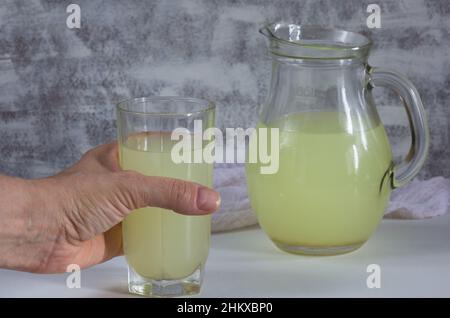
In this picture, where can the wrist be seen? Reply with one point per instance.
(27, 231)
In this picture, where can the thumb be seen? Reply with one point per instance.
(181, 196)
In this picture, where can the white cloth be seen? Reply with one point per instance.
(420, 199)
(235, 211)
(417, 200)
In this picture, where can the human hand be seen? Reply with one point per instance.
(74, 217)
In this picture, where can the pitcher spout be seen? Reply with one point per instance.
(314, 42)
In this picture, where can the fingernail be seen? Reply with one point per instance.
(207, 199)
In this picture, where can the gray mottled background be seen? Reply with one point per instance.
(58, 86)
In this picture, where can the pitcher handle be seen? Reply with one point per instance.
(414, 160)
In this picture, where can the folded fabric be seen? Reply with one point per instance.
(420, 199)
(417, 200)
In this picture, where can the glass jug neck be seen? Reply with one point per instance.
(304, 64)
(322, 73)
(308, 85)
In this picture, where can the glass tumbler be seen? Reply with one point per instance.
(166, 251)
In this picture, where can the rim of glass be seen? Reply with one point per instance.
(208, 105)
(268, 31)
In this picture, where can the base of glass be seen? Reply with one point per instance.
(185, 286)
(318, 250)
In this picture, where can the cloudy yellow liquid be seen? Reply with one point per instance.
(161, 244)
(332, 185)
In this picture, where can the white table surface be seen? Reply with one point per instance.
(414, 257)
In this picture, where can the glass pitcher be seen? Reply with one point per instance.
(335, 170)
